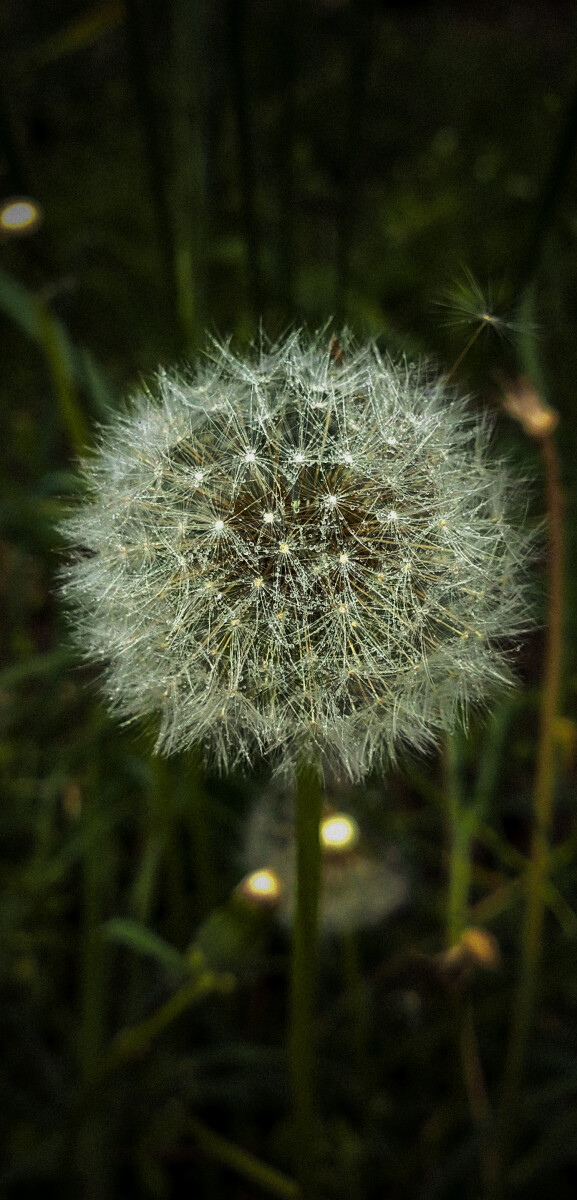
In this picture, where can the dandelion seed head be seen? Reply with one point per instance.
(467, 305)
(314, 600)
(363, 882)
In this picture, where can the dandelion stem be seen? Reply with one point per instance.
(304, 981)
(198, 819)
(538, 866)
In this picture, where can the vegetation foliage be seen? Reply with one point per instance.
(229, 168)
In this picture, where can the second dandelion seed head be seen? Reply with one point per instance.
(364, 880)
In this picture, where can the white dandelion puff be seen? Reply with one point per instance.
(298, 555)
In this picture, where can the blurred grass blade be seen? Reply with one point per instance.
(57, 351)
(37, 664)
(144, 941)
(247, 1165)
(190, 53)
(236, 17)
(78, 34)
(95, 384)
(153, 141)
(69, 365)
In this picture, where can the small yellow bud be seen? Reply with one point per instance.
(339, 833)
(262, 888)
(482, 947)
(20, 215)
(522, 401)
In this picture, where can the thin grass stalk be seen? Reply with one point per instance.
(198, 820)
(286, 154)
(58, 360)
(359, 40)
(303, 982)
(166, 783)
(246, 1165)
(538, 866)
(236, 23)
(189, 52)
(152, 138)
(553, 187)
(17, 178)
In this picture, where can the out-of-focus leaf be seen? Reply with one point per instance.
(232, 935)
(37, 664)
(59, 357)
(144, 941)
(80, 33)
(34, 318)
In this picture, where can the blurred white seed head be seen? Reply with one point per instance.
(363, 880)
(299, 552)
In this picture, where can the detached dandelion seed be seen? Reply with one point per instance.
(345, 587)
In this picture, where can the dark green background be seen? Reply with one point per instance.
(211, 167)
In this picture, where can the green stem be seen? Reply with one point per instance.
(56, 351)
(238, 74)
(190, 52)
(198, 813)
(302, 1049)
(360, 43)
(286, 172)
(166, 782)
(555, 183)
(131, 1042)
(538, 866)
(152, 136)
(239, 1160)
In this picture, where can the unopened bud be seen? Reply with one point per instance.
(339, 833)
(482, 947)
(261, 888)
(522, 401)
(19, 215)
